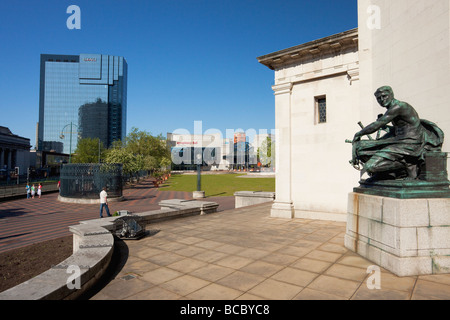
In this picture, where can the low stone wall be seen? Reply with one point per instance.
(88, 201)
(93, 246)
(93, 249)
(248, 198)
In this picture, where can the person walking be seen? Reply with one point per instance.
(104, 202)
(39, 190)
(28, 191)
(33, 191)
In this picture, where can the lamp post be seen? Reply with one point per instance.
(199, 194)
(61, 136)
(199, 182)
(98, 150)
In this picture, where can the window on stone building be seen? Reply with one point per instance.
(321, 109)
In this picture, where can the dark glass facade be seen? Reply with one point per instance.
(81, 96)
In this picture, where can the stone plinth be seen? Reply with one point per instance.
(248, 198)
(198, 194)
(405, 236)
(282, 209)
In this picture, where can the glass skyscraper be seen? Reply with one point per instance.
(81, 96)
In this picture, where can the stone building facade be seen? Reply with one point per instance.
(14, 151)
(324, 88)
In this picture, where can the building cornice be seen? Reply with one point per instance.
(335, 43)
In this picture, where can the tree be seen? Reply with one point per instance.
(141, 151)
(153, 149)
(89, 150)
(119, 154)
(266, 153)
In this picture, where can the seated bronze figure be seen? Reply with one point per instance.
(400, 151)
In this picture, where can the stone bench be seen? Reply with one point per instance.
(93, 246)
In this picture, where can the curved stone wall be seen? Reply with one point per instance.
(93, 246)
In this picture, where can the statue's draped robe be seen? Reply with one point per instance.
(400, 146)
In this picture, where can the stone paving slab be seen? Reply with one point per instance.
(245, 254)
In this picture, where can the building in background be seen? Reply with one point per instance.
(185, 148)
(81, 96)
(14, 153)
(217, 153)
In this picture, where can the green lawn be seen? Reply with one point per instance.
(216, 185)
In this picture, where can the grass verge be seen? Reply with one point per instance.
(216, 185)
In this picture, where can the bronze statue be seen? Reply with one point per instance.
(400, 151)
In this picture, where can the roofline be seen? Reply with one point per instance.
(292, 54)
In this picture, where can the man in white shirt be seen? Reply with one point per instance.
(104, 202)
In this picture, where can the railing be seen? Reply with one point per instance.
(19, 190)
(11, 189)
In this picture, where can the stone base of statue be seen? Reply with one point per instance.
(404, 225)
(405, 236)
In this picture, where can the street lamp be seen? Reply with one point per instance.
(61, 136)
(199, 194)
(199, 182)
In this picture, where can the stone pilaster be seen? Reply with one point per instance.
(283, 206)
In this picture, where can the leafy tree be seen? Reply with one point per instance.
(153, 149)
(118, 154)
(266, 153)
(87, 151)
(141, 151)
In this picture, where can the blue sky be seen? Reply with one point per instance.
(188, 60)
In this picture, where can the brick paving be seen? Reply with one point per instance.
(244, 254)
(27, 221)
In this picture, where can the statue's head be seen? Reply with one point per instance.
(384, 96)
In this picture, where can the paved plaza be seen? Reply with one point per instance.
(27, 221)
(244, 254)
(234, 254)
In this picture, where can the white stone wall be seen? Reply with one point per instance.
(313, 170)
(401, 43)
(409, 50)
(321, 173)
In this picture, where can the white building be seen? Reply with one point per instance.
(215, 150)
(218, 153)
(325, 87)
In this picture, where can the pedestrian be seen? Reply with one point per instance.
(39, 190)
(33, 191)
(104, 202)
(59, 186)
(28, 190)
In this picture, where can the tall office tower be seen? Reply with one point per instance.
(81, 96)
